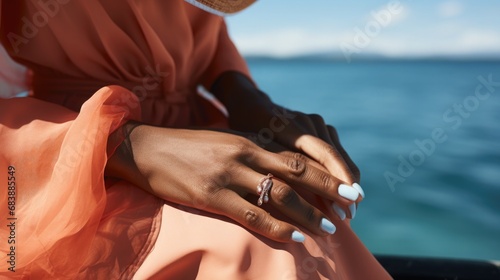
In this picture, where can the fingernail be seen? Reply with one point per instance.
(327, 226)
(348, 192)
(340, 212)
(352, 208)
(359, 189)
(298, 237)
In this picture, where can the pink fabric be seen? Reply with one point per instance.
(71, 222)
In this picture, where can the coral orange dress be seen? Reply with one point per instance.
(96, 64)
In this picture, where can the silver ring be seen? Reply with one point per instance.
(263, 189)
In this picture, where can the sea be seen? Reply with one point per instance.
(426, 137)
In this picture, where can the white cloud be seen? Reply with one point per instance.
(466, 42)
(394, 14)
(480, 40)
(287, 42)
(403, 15)
(450, 9)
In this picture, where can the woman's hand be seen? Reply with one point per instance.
(214, 171)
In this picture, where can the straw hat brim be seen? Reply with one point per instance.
(222, 7)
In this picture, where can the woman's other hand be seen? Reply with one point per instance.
(251, 110)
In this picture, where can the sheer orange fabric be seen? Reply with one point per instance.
(61, 218)
(70, 222)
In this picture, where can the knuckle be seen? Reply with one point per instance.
(242, 147)
(326, 182)
(252, 219)
(299, 156)
(261, 223)
(210, 188)
(286, 153)
(302, 117)
(333, 130)
(316, 117)
(241, 143)
(275, 229)
(223, 179)
(310, 214)
(296, 164)
(283, 194)
(332, 151)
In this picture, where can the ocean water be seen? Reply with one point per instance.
(444, 201)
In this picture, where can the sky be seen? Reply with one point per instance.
(401, 28)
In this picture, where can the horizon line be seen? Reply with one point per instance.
(375, 57)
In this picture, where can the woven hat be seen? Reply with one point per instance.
(221, 7)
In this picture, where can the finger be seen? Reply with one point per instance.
(296, 172)
(286, 200)
(321, 151)
(282, 150)
(290, 203)
(341, 210)
(328, 134)
(228, 203)
(333, 139)
(321, 128)
(336, 142)
(306, 159)
(322, 148)
(327, 155)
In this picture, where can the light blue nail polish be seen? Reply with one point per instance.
(359, 189)
(348, 192)
(353, 209)
(298, 237)
(339, 211)
(327, 226)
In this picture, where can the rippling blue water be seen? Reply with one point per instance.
(450, 205)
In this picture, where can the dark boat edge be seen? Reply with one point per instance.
(426, 268)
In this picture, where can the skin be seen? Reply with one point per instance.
(216, 170)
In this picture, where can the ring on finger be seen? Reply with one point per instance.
(263, 188)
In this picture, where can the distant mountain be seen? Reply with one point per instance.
(339, 57)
